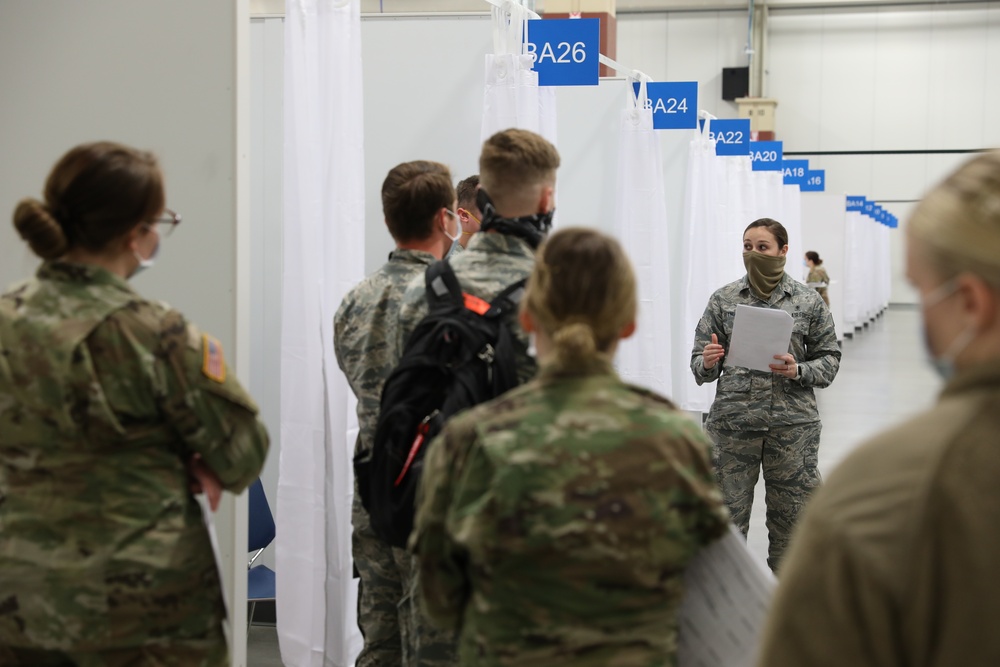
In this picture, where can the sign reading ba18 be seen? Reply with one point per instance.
(566, 51)
(674, 104)
(732, 137)
(815, 181)
(795, 171)
(766, 155)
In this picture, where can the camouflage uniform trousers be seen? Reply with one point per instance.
(383, 605)
(208, 653)
(788, 456)
(433, 646)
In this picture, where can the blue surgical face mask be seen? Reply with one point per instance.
(945, 364)
(146, 263)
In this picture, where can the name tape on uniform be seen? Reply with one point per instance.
(766, 155)
(566, 51)
(674, 104)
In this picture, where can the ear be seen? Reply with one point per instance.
(979, 301)
(463, 215)
(783, 251)
(547, 202)
(526, 320)
(627, 330)
(132, 237)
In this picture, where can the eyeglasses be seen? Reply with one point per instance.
(169, 218)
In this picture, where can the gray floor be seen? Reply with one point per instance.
(883, 379)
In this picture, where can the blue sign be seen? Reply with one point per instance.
(795, 171)
(732, 137)
(815, 181)
(855, 203)
(674, 104)
(566, 51)
(766, 155)
(869, 209)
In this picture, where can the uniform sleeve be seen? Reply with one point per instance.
(202, 399)
(712, 521)
(710, 323)
(822, 351)
(412, 309)
(829, 610)
(441, 574)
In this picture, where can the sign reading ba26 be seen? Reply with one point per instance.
(566, 51)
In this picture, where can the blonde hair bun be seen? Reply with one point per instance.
(575, 340)
(39, 229)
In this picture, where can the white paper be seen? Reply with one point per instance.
(758, 335)
(726, 597)
(209, 517)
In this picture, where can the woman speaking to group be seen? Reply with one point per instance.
(764, 419)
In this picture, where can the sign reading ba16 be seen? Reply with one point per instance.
(766, 155)
(815, 181)
(795, 171)
(732, 137)
(566, 51)
(674, 104)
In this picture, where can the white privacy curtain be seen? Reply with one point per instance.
(791, 218)
(641, 226)
(512, 96)
(853, 270)
(323, 258)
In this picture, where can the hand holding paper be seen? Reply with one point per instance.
(760, 335)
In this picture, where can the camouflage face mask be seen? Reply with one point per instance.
(764, 271)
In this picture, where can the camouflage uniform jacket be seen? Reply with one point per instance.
(554, 523)
(748, 400)
(365, 334)
(103, 398)
(491, 263)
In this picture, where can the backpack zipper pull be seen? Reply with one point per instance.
(488, 354)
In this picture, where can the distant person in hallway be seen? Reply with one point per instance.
(895, 562)
(760, 419)
(468, 212)
(818, 278)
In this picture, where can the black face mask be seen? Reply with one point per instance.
(531, 228)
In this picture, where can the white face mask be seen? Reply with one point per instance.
(458, 228)
(147, 262)
(945, 364)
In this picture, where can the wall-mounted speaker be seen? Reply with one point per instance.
(735, 82)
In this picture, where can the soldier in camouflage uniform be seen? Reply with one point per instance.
(554, 523)
(517, 172)
(109, 403)
(762, 419)
(468, 211)
(418, 201)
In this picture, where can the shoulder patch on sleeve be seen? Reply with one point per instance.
(213, 364)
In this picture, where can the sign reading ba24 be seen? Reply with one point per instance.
(815, 181)
(795, 171)
(732, 137)
(566, 51)
(766, 155)
(674, 104)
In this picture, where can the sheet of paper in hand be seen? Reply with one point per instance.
(758, 335)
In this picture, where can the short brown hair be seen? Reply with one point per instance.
(514, 160)
(94, 194)
(466, 191)
(776, 228)
(412, 193)
(582, 292)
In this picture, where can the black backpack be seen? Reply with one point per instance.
(461, 354)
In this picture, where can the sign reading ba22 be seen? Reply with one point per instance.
(566, 51)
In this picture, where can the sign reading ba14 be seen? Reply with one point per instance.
(732, 137)
(766, 155)
(795, 171)
(674, 104)
(566, 51)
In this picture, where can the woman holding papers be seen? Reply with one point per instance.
(554, 524)
(767, 418)
(113, 411)
(895, 562)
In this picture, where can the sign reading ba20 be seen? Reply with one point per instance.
(566, 51)
(766, 155)
(732, 137)
(674, 104)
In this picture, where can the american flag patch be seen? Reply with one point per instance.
(213, 364)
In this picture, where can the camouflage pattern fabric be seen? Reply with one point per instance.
(103, 398)
(789, 458)
(365, 339)
(765, 418)
(489, 265)
(818, 274)
(554, 523)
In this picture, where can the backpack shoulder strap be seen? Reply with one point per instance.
(508, 299)
(442, 285)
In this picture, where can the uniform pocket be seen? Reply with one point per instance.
(734, 381)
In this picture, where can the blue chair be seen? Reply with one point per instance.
(260, 578)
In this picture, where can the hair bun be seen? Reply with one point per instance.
(575, 341)
(35, 223)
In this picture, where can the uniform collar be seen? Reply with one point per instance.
(496, 243)
(88, 274)
(785, 287)
(412, 256)
(551, 369)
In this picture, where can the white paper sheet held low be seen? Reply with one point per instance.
(758, 335)
(726, 597)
